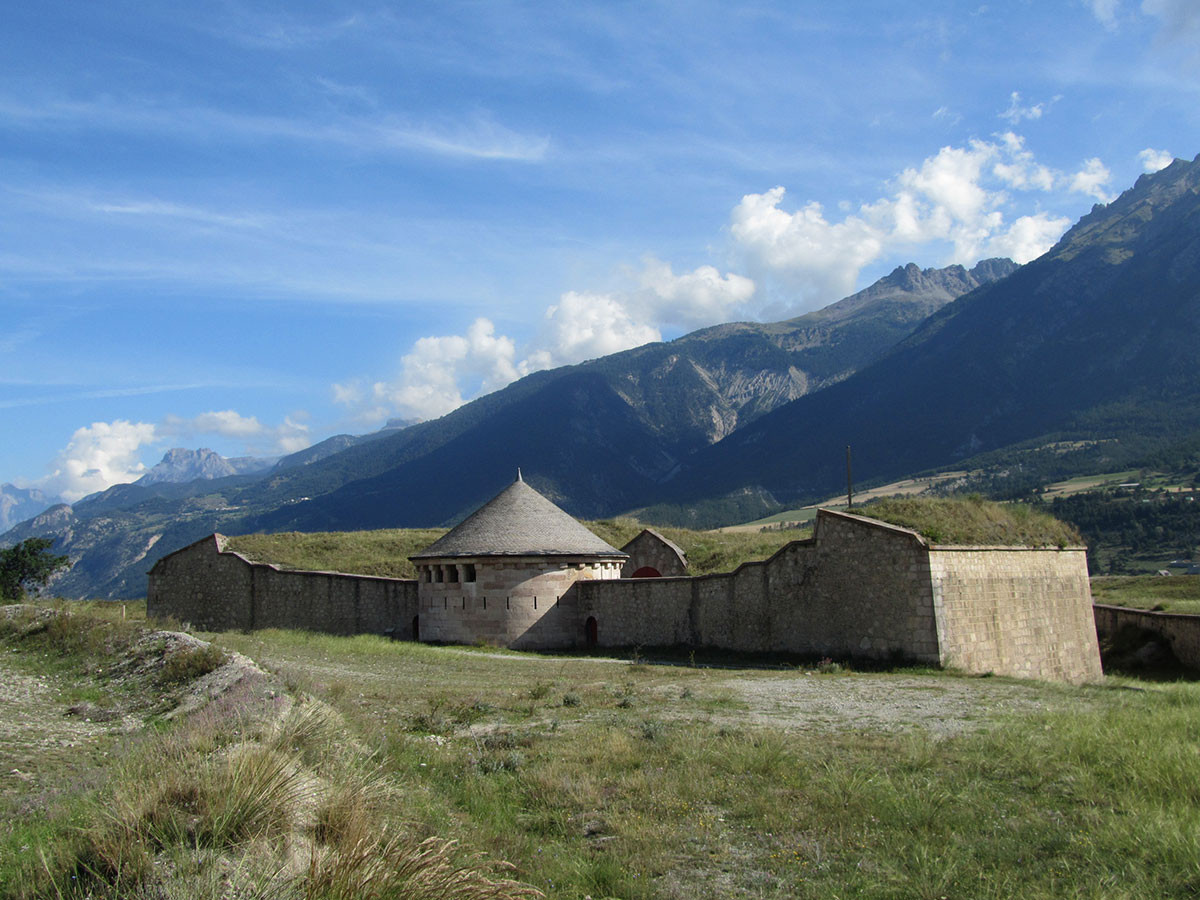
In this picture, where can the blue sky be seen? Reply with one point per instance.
(249, 226)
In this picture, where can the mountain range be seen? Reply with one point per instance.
(925, 368)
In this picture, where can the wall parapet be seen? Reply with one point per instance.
(218, 589)
(1180, 630)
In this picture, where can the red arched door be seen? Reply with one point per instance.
(647, 572)
(591, 631)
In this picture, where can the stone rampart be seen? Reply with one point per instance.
(1181, 631)
(1015, 611)
(857, 588)
(219, 590)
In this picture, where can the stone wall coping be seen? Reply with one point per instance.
(1006, 547)
(873, 523)
(900, 529)
(1157, 613)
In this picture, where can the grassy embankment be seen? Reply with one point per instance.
(254, 793)
(948, 521)
(386, 551)
(973, 521)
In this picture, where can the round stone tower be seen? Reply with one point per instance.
(501, 574)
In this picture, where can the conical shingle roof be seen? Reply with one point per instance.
(518, 522)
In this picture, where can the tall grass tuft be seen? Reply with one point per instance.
(392, 867)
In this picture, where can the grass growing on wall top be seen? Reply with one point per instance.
(385, 552)
(973, 521)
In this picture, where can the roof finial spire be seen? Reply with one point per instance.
(518, 473)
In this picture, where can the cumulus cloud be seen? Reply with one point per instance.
(1091, 179)
(1154, 160)
(584, 325)
(106, 453)
(98, 456)
(1028, 237)
(958, 197)
(434, 373)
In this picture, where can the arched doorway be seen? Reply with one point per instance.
(416, 628)
(591, 631)
(647, 572)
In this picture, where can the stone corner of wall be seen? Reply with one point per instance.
(868, 522)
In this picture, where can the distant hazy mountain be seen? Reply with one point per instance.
(1098, 338)
(180, 465)
(18, 504)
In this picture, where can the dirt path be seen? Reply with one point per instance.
(940, 705)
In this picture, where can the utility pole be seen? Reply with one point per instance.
(849, 481)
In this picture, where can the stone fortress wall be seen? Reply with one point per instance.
(216, 589)
(857, 588)
(862, 588)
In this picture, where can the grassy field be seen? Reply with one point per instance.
(385, 552)
(600, 777)
(1177, 593)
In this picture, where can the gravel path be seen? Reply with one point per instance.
(941, 705)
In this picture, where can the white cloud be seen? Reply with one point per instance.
(258, 439)
(584, 325)
(1091, 179)
(1016, 112)
(1154, 160)
(433, 373)
(98, 456)
(1028, 237)
(819, 258)
(691, 300)
(958, 197)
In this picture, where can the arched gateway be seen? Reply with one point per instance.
(500, 574)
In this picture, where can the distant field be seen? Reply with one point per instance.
(1175, 593)
(385, 552)
(806, 514)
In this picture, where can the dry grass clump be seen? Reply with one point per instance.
(973, 521)
(394, 867)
